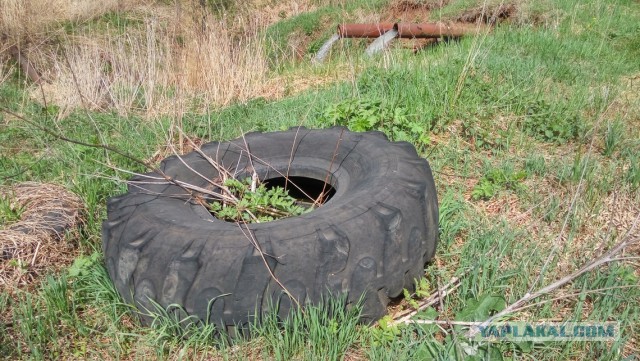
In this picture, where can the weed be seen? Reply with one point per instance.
(83, 265)
(420, 338)
(550, 124)
(363, 115)
(385, 333)
(495, 180)
(535, 164)
(10, 211)
(261, 204)
(480, 308)
(483, 138)
(422, 290)
(612, 138)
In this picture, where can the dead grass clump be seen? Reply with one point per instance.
(413, 6)
(488, 14)
(519, 13)
(26, 21)
(186, 145)
(271, 12)
(27, 25)
(168, 55)
(38, 242)
(156, 67)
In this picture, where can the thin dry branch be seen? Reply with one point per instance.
(574, 294)
(320, 199)
(252, 239)
(293, 149)
(557, 243)
(630, 238)
(262, 161)
(452, 285)
(111, 149)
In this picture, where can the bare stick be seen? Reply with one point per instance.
(221, 169)
(250, 236)
(446, 322)
(228, 195)
(574, 294)
(254, 176)
(609, 256)
(293, 149)
(35, 254)
(326, 178)
(62, 137)
(84, 103)
(262, 161)
(557, 243)
(451, 286)
(112, 149)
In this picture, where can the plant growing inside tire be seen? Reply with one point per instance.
(372, 236)
(257, 203)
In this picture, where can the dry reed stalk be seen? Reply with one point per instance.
(169, 55)
(152, 68)
(21, 19)
(5, 70)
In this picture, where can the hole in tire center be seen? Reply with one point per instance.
(304, 189)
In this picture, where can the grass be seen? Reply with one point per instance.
(548, 96)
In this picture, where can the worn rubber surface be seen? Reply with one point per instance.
(373, 236)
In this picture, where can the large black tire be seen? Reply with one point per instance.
(373, 237)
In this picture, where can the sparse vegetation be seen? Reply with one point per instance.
(531, 131)
(363, 115)
(10, 211)
(257, 203)
(497, 179)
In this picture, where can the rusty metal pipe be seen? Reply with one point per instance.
(434, 30)
(363, 30)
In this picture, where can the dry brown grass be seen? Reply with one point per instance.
(296, 82)
(172, 57)
(271, 12)
(5, 71)
(627, 104)
(153, 74)
(30, 20)
(38, 242)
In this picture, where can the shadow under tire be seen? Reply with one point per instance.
(372, 237)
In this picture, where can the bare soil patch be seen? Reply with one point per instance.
(489, 14)
(411, 11)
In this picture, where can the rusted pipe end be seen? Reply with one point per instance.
(363, 30)
(435, 30)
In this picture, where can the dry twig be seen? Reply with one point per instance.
(452, 285)
(630, 238)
